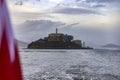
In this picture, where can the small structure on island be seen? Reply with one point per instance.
(57, 41)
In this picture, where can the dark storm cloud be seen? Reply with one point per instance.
(75, 11)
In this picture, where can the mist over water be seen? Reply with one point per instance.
(70, 64)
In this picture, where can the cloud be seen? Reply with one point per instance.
(103, 1)
(74, 24)
(98, 6)
(32, 30)
(35, 14)
(75, 11)
(37, 25)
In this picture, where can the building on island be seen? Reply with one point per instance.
(57, 41)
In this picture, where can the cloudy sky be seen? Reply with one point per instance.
(94, 21)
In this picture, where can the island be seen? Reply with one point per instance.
(57, 41)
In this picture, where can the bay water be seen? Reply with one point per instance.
(61, 64)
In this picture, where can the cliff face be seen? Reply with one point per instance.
(53, 45)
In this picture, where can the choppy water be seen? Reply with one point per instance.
(70, 64)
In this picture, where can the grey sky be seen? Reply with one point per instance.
(95, 21)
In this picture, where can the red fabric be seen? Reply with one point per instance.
(9, 69)
(1, 1)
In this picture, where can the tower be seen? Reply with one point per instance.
(83, 44)
(56, 30)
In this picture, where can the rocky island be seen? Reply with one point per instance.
(57, 41)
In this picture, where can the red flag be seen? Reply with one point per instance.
(9, 60)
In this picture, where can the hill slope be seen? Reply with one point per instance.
(22, 44)
(111, 45)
